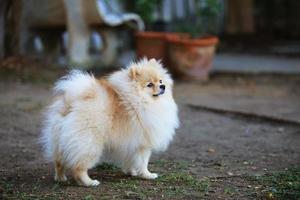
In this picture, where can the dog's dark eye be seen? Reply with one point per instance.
(160, 81)
(150, 85)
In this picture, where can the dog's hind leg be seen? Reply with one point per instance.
(87, 161)
(59, 172)
(81, 176)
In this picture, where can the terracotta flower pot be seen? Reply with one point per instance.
(191, 58)
(155, 44)
(150, 45)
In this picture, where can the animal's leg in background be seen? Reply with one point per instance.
(59, 172)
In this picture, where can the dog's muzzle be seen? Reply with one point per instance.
(162, 90)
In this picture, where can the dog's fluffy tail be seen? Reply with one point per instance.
(75, 83)
(71, 86)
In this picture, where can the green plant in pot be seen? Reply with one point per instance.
(191, 58)
(144, 8)
(149, 43)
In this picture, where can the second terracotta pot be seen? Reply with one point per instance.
(155, 44)
(191, 58)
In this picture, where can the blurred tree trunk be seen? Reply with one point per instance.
(18, 34)
(3, 16)
(240, 17)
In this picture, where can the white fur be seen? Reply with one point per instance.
(91, 131)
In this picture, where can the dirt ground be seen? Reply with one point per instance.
(215, 155)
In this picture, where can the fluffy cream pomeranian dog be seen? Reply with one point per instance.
(120, 119)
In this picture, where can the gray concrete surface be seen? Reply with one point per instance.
(217, 146)
(270, 97)
(243, 63)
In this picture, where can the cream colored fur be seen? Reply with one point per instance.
(116, 120)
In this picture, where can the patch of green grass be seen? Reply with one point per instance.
(175, 181)
(282, 185)
(160, 163)
(88, 197)
(229, 190)
(182, 178)
(12, 191)
(183, 183)
(130, 188)
(180, 165)
(169, 185)
(107, 166)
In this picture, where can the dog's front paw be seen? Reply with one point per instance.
(61, 178)
(134, 173)
(92, 183)
(148, 175)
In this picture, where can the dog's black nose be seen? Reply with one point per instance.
(162, 87)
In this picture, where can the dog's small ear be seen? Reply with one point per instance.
(152, 61)
(133, 73)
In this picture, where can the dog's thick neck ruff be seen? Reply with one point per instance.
(157, 115)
